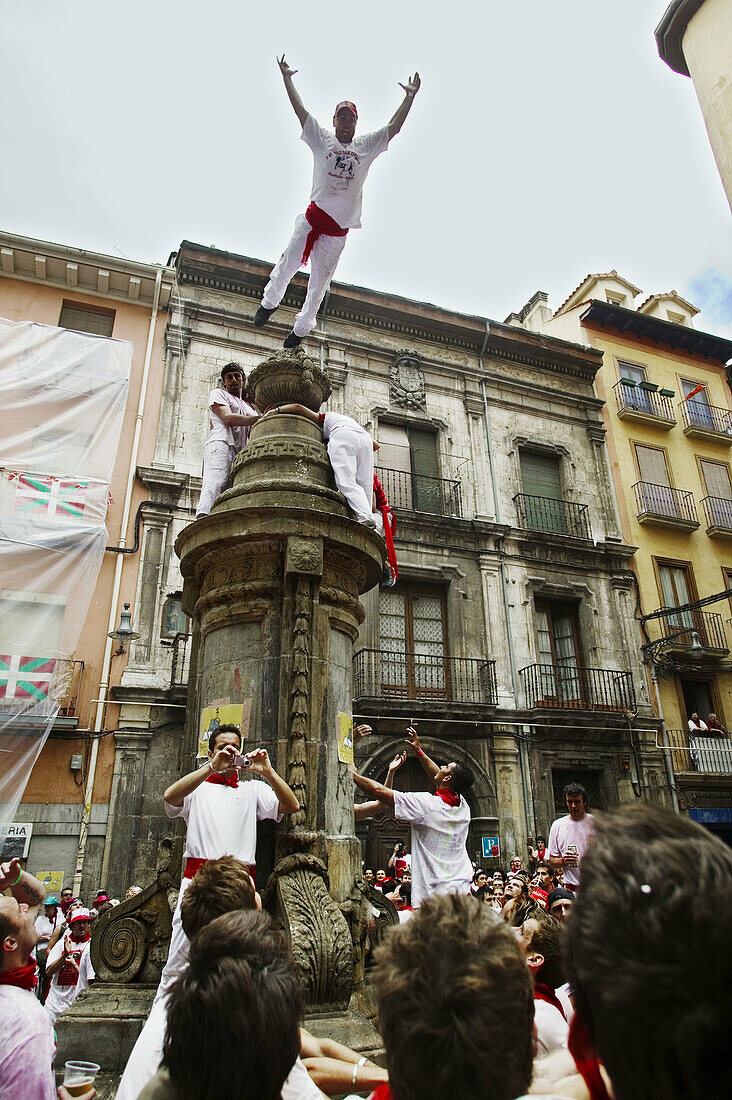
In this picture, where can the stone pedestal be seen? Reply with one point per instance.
(272, 579)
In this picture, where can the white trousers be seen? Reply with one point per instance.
(323, 262)
(217, 459)
(351, 455)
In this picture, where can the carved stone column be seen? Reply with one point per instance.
(272, 579)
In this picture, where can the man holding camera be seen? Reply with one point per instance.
(221, 816)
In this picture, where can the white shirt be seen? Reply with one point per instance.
(147, 1056)
(563, 833)
(61, 995)
(234, 436)
(697, 725)
(339, 171)
(44, 926)
(222, 821)
(552, 1030)
(26, 1046)
(333, 423)
(440, 862)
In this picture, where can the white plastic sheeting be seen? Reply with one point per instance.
(62, 400)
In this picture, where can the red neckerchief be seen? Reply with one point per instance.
(383, 1092)
(25, 977)
(320, 223)
(232, 781)
(544, 992)
(582, 1049)
(450, 798)
(383, 506)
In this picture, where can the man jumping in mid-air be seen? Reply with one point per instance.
(341, 164)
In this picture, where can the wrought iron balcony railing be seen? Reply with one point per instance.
(698, 417)
(634, 400)
(718, 513)
(181, 660)
(555, 517)
(417, 493)
(662, 504)
(709, 627)
(701, 752)
(379, 673)
(573, 687)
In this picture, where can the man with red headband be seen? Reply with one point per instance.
(341, 164)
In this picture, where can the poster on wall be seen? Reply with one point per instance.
(52, 880)
(220, 712)
(15, 839)
(344, 730)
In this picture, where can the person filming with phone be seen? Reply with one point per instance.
(570, 835)
(221, 815)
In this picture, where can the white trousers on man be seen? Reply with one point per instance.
(351, 455)
(217, 459)
(323, 262)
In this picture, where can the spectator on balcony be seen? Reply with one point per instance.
(570, 835)
(715, 726)
(439, 821)
(696, 725)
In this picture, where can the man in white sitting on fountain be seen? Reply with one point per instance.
(341, 162)
(230, 417)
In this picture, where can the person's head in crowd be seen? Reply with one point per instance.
(74, 903)
(575, 797)
(18, 935)
(380, 877)
(368, 876)
(132, 891)
(479, 879)
(80, 922)
(515, 864)
(104, 907)
(543, 943)
(404, 895)
(457, 777)
(544, 878)
(50, 906)
(518, 886)
(233, 1015)
(219, 738)
(221, 885)
(540, 842)
(559, 902)
(453, 988)
(407, 876)
(66, 895)
(649, 958)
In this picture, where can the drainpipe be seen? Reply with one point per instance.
(528, 806)
(116, 586)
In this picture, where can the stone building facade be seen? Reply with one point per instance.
(510, 638)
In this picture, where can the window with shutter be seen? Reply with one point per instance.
(408, 468)
(557, 629)
(413, 636)
(99, 322)
(633, 396)
(542, 488)
(697, 409)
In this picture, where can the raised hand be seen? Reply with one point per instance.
(398, 761)
(9, 873)
(411, 87)
(259, 761)
(360, 732)
(223, 761)
(412, 739)
(286, 70)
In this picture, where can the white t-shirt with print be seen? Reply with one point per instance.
(440, 861)
(339, 171)
(62, 989)
(563, 833)
(222, 820)
(235, 436)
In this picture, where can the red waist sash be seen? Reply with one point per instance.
(320, 223)
(193, 865)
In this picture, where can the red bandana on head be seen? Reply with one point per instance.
(450, 798)
(25, 977)
(232, 781)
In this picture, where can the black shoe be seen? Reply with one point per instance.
(262, 316)
(292, 340)
(387, 578)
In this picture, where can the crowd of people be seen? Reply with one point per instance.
(614, 984)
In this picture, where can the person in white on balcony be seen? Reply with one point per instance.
(696, 725)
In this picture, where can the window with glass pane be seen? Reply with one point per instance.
(557, 631)
(408, 467)
(676, 590)
(542, 488)
(697, 409)
(633, 396)
(413, 642)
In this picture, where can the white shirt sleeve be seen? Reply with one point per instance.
(314, 135)
(268, 804)
(376, 142)
(412, 808)
(552, 843)
(180, 811)
(56, 951)
(86, 972)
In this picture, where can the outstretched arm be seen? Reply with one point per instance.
(294, 407)
(292, 95)
(410, 90)
(382, 794)
(429, 766)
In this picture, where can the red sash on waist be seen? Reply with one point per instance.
(382, 505)
(193, 865)
(321, 223)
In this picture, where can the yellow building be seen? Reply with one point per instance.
(669, 440)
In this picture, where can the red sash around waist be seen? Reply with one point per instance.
(193, 865)
(320, 223)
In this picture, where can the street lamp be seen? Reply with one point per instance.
(124, 634)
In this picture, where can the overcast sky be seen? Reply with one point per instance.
(549, 140)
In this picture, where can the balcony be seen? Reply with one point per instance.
(718, 514)
(32, 688)
(553, 517)
(638, 401)
(571, 687)
(416, 493)
(391, 674)
(701, 754)
(709, 628)
(180, 665)
(664, 506)
(702, 421)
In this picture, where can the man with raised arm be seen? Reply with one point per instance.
(341, 162)
(221, 816)
(439, 821)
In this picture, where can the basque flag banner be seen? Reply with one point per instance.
(48, 497)
(24, 679)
